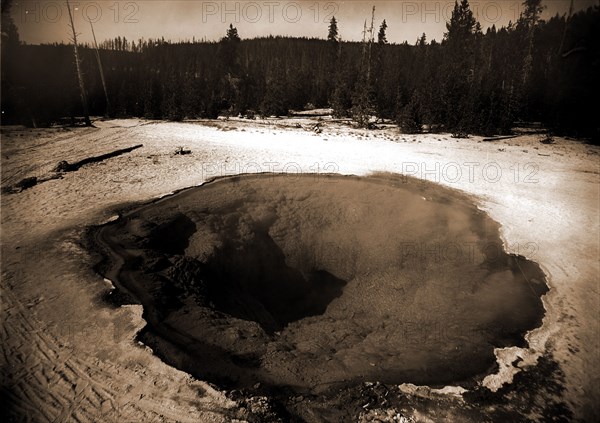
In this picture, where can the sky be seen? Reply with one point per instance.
(46, 21)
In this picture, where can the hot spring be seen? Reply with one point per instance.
(312, 282)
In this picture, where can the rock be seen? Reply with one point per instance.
(62, 166)
(27, 183)
(183, 152)
(383, 415)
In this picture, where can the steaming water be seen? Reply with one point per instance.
(311, 282)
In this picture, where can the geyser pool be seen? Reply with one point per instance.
(311, 282)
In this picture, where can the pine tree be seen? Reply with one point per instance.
(228, 49)
(532, 9)
(275, 101)
(172, 99)
(341, 98)
(459, 68)
(383, 98)
(381, 36)
(410, 119)
(527, 23)
(341, 101)
(230, 70)
(333, 31)
(153, 99)
(462, 23)
(232, 34)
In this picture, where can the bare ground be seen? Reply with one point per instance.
(66, 355)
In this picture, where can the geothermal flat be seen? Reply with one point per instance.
(373, 280)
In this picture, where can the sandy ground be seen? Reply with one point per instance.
(67, 356)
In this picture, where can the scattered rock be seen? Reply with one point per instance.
(180, 151)
(62, 166)
(381, 415)
(316, 128)
(23, 184)
(261, 408)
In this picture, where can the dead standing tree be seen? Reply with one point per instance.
(530, 18)
(362, 107)
(100, 69)
(78, 66)
(564, 35)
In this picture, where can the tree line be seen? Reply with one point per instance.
(470, 82)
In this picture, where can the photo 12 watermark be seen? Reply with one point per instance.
(35, 12)
(486, 12)
(292, 12)
(472, 172)
(317, 170)
(268, 12)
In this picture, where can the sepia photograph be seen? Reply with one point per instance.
(300, 211)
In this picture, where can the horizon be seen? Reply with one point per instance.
(45, 21)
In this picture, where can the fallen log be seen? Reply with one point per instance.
(27, 183)
(62, 167)
(508, 137)
(65, 166)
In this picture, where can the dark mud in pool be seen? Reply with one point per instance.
(314, 282)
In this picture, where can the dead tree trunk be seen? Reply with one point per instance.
(101, 70)
(362, 108)
(370, 45)
(84, 103)
(564, 35)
